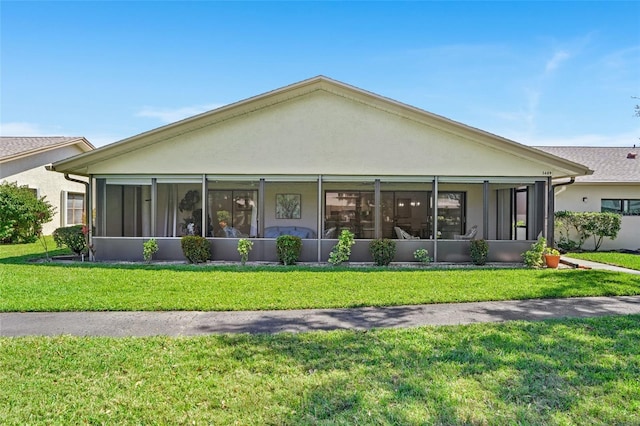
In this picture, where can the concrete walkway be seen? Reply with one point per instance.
(120, 324)
(595, 265)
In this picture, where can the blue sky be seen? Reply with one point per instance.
(540, 73)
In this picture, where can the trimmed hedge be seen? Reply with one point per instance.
(195, 248)
(72, 237)
(289, 248)
(383, 250)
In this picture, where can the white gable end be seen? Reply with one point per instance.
(322, 133)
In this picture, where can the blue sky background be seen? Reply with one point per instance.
(540, 73)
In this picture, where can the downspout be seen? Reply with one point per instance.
(551, 210)
(87, 212)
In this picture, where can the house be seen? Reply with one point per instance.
(23, 161)
(311, 159)
(614, 186)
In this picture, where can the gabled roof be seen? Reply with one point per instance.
(83, 164)
(14, 147)
(610, 164)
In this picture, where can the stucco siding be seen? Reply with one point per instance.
(571, 198)
(321, 133)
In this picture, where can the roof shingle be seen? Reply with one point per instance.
(610, 164)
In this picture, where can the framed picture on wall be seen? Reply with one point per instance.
(288, 206)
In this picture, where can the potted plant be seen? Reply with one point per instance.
(551, 257)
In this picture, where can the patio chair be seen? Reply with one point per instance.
(470, 235)
(404, 235)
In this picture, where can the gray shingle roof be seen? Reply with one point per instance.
(11, 146)
(610, 164)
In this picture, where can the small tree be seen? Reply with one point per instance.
(244, 248)
(603, 225)
(22, 214)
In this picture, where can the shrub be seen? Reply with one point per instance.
(149, 248)
(244, 248)
(533, 257)
(584, 225)
(479, 251)
(382, 250)
(72, 237)
(422, 255)
(195, 248)
(22, 214)
(288, 247)
(341, 252)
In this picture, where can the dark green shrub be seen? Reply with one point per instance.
(479, 250)
(22, 214)
(288, 247)
(72, 237)
(382, 250)
(195, 248)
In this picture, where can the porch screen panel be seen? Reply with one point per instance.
(125, 210)
(351, 210)
(238, 209)
(179, 210)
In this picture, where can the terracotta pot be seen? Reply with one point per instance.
(552, 260)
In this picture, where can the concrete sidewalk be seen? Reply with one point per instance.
(120, 324)
(595, 265)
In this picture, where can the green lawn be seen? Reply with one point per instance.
(570, 372)
(561, 372)
(626, 260)
(96, 287)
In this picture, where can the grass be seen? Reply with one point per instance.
(98, 287)
(625, 260)
(565, 372)
(558, 372)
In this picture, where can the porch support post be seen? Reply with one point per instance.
(485, 210)
(204, 224)
(551, 207)
(435, 218)
(261, 208)
(320, 217)
(89, 215)
(377, 225)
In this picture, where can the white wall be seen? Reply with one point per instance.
(570, 198)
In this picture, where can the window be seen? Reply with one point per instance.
(74, 208)
(620, 206)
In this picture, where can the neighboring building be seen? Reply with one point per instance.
(312, 159)
(23, 161)
(614, 186)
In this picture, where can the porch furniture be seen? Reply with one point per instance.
(470, 235)
(404, 235)
(330, 233)
(297, 231)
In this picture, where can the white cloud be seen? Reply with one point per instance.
(556, 60)
(23, 129)
(169, 115)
